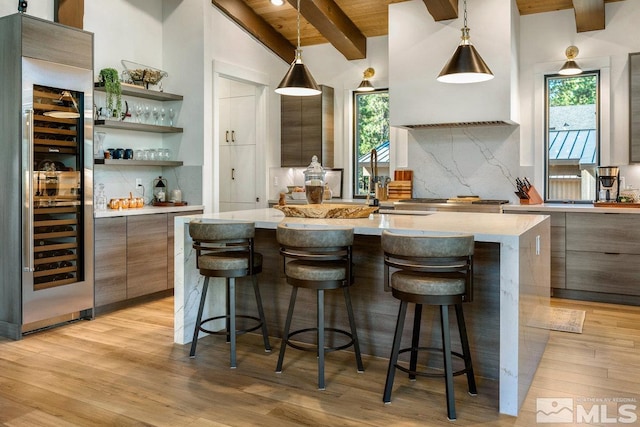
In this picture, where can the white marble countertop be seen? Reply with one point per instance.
(569, 207)
(486, 227)
(147, 210)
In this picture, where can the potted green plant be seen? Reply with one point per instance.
(110, 78)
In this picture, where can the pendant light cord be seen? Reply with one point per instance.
(299, 24)
(465, 13)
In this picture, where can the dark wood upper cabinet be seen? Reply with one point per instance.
(307, 129)
(634, 107)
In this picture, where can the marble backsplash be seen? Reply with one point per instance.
(482, 161)
(120, 181)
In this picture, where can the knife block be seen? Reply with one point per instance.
(534, 197)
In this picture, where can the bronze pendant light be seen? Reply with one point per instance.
(466, 64)
(298, 81)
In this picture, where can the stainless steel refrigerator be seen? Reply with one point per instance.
(46, 175)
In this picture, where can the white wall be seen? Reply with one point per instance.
(544, 38)
(38, 8)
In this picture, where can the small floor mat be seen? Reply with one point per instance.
(558, 319)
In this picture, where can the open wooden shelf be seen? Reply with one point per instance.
(140, 127)
(127, 162)
(141, 92)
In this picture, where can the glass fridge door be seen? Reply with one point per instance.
(57, 187)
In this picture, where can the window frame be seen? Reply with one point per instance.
(599, 124)
(354, 139)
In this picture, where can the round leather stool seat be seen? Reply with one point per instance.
(229, 261)
(316, 270)
(418, 284)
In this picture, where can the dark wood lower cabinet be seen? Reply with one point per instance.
(146, 254)
(134, 256)
(110, 260)
(595, 256)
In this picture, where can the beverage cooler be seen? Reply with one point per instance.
(46, 118)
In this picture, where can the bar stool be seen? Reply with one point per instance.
(432, 271)
(318, 259)
(226, 250)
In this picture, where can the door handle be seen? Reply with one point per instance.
(233, 174)
(27, 207)
(233, 136)
(226, 136)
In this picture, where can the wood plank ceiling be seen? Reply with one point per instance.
(347, 23)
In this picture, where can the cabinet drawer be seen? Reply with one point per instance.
(614, 233)
(602, 272)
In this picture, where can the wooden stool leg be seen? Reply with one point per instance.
(448, 365)
(265, 334)
(352, 323)
(464, 340)
(287, 327)
(232, 319)
(395, 349)
(321, 352)
(415, 341)
(196, 331)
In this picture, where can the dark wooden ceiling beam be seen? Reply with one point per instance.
(442, 10)
(251, 22)
(589, 15)
(335, 26)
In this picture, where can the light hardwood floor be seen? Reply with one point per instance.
(123, 369)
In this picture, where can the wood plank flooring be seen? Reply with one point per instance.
(123, 369)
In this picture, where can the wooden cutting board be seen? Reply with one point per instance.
(400, 190)
(616, 205)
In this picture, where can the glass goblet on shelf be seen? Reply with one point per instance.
(139, 109)
(147, 113)
(172, 115)
(156, 114)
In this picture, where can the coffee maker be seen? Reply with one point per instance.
(607, 183)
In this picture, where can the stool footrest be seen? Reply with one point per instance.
(224, 331)
(313, 347)
(429, 374)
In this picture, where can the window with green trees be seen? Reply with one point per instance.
(572, 137)
(371, 131)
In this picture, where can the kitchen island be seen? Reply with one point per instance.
(511, 282)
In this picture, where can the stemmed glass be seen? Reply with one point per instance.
(139, 109)
(155, 115)
(172, 114)
(162, 114)
(147, 113)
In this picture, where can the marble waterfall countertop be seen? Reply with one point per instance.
(524, 265)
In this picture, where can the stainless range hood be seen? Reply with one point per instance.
(419, 47)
